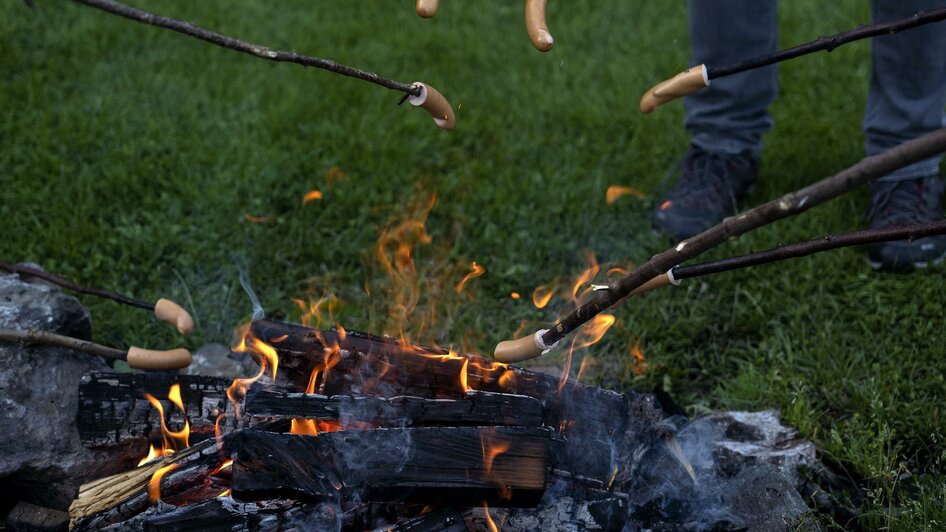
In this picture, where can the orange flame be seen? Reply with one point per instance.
(226, 463)
(311, 196)
(590, 334)
(586, 276)
(542, 295)
(256, 219)
(306, 427)
(665, 205)
(463, 376)
(491, 449)
(154, 485)
(616, 191)
(171, 440)
(224, 493)
(489, 519)
(476, 271)
(640, 363)
(515, 295)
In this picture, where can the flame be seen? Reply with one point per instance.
(640, 363)
(224, 493)
(614, 475)
(307, 427)
(227, 463)
(463, 376)
(586, 276)
(588, 335)
(154, 485)
(491, 449)
(581, 368)
(311, 196)
(489, 519)
(256, 219)
(665, 205)
(616, 191)
(475, 271)
(542, 295)
(515, 295)
(171, 440)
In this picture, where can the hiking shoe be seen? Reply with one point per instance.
(911, 201)
(709, 186)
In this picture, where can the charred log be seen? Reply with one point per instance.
(438, 466)
(599, 427)
(445, 520)
(113, 408)
(475, 408)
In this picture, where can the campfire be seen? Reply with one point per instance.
(347, 430)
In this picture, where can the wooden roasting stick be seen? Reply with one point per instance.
(700, 76)
(536, 27)
(264, 52)
(136, 357)
(863, 172)
(164, 309)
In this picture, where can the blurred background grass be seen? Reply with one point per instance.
(129, 157)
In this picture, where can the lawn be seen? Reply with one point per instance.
(136, 159)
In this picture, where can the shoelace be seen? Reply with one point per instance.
(897, 203)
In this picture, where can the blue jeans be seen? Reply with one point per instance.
(907, 86)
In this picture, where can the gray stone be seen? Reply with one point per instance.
(41, 458)
(216, 360)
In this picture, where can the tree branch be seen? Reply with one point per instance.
(863, 172)
(257, 50)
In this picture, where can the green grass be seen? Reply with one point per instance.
(129, 156)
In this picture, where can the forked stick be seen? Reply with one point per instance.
(164, 309)
(863, 172)
(700, 76)
(136, 357)
(256, 50)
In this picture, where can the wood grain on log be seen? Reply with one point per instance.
(436, 465)
(474, 408)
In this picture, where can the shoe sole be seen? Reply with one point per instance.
(920, 265)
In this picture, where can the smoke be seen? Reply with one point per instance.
(240, 262)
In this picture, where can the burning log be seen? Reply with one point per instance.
(475, 408)
(188, 475)
(507, 466)
(357, 364)
(113, 408)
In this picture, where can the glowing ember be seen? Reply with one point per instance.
(665, 205)
(475, 271)
(154, 485)
(311, 196)
(542, 295)
(616, 191)
(640, 363)
(515, 295)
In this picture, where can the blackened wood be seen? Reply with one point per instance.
(802, 249)
(599, 427)
(863, 172)
(445, 520)
(831, 42)
(117, 498)
(113, 408)
(474, 408)
(26, 517)
(435, 465)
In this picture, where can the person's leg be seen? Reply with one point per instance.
(726, 120)
(906, 99)
(731, 114)
(907, 85)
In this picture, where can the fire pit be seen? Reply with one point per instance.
(340, 430)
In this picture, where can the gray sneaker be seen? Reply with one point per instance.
(707, 190)
(910, 201)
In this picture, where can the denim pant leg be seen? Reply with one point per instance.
(908, 84)
(731, 114)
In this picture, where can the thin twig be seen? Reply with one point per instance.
(792, 203)
(66, 283)
(257, 50)
(830, 42)
(34, 336)
(809, 247)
